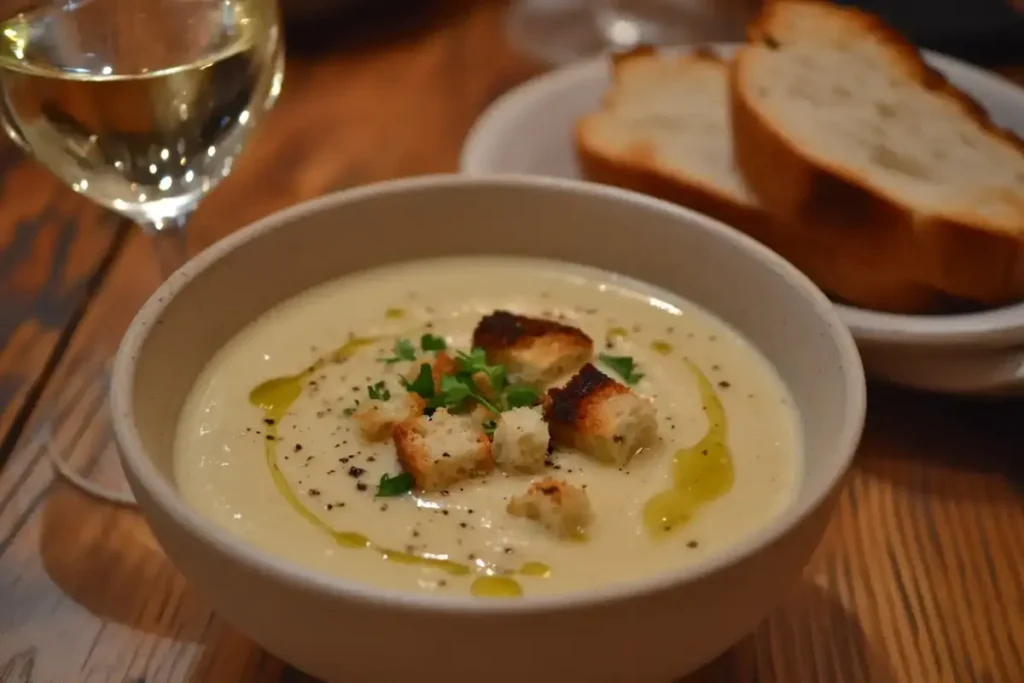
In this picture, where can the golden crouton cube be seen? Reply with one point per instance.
(521, 441)
(376, 418)
(563, 509)
(442, 450)
(600, 417)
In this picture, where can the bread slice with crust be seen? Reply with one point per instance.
(838, 122)
(663, 129)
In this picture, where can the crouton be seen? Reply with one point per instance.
(441, 450)
(563, 509)
(442, 365)
(521, 441)
(376, 418)
(533, 350)
(600, 417)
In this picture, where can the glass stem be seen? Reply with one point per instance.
(169, 239)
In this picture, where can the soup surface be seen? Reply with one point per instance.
(271, 447)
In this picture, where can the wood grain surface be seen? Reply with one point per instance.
(919, 580)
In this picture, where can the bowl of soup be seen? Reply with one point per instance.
(560, 431)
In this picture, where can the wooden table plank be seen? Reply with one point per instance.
(918, 579)
(55, 247)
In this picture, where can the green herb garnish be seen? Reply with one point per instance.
(350, 411)
(430, 342)
(453, 394)
(623, 366)
(519, 396)
(403, 350)
(476, 361)
(423, 384)
(456, 390)
(379, 391)
(489, 428)
(397, 485)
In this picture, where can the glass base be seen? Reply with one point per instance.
(562, 31)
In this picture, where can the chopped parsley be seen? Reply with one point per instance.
(476, 361)
(519, 396)
(623, 366)
(423, 383)
(379, 391)
(456, 392)
(430, 342)
(396, 485)
(403, 350)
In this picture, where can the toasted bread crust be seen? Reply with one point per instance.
(964, 256)
(502, 331)
(850, 269)
(572, 409)
(534, 350)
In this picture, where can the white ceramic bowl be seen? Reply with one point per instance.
(649, 631)
(529, 130)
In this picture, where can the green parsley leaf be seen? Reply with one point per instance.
(489, 428)
(379, 391)
(476, 361)
(423, 384)
(623, 366)
(350, 411)
(403, 350)
(454, 393)
(397, 485)
(519, 396)
(430, 342)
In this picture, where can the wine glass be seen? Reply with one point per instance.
(560, 31)
(140, 105)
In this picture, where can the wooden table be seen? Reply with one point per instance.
(920, 579)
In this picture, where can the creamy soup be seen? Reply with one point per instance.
(270, 448)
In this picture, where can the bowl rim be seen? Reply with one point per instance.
(143, 472)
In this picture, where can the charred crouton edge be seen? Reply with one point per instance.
(600, 417)
(533, 350)
(442, 450)
(376, 418)
(563, 509)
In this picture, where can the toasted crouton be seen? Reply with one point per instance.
(533, 350)
(441, 450)
(521, 441)
(600, 417)
(563, 509)
(442, 365)
(376, 418)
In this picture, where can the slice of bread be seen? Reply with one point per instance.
(664, 129)
(839, 124)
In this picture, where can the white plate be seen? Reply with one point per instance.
(529, 130)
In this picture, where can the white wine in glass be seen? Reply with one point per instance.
(140, 105)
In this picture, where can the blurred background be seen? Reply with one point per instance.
(557, 31)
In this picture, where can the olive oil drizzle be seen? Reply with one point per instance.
(275, 397)
(700, 474)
